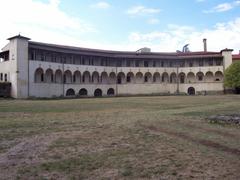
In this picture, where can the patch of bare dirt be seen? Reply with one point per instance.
(26, 152)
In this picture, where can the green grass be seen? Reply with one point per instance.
(119, 138)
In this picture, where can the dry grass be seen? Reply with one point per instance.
(119, 138)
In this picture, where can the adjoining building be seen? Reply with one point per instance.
(37, 69)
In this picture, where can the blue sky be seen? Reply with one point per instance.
(125, 25)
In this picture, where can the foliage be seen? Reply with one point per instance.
(232, 76)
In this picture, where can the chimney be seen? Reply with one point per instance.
(205, 44)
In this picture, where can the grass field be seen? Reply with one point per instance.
(119, 138)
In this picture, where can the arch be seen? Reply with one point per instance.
(67, 77)
(95, 77)
(209, 77)
(182, 78)
(70, 92)
(191, 77)
(77, 77)
(200, 76)
(139, 77)
(156, 77)
(130, 77)
(83, 92)
(49, 76)
(148, 77)
(98, 93)
(39, 75)
(58, 76)
(173, 78)
(112, 78)
(121, 78)
(110, 92)
(219, 76)
(191, 91)
(86, 77)
(165, 77)
(104, 78)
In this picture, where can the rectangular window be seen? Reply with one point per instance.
(154, 63)
(128, 63)
(210, 62)
(218, 62)
(190, 64)
(162, 64)
(145, 63)
(119, 63)
(137, 63)
(5, 77)
(201, 62)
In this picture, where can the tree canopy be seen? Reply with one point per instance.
(232, 75)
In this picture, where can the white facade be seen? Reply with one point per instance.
(46, 70)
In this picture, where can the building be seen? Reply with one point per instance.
(37, 69)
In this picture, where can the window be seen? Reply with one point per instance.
(1, 76)
(218, 62)
(128, 63)
(128, 79)
(42, 57)
(210, 62)
(201, 62)
(162, 64)
(137, 63)
(190, 64)
(5, 77)
(119, 63)
(200, 77)
(171, 64)
(145, 79)
(154, 63)
(145, 63)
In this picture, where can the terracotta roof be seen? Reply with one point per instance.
(121, 54)
(236, 57)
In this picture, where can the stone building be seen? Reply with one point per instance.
(37, 69)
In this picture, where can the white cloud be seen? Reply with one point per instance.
(223, 7)
(222, 35)
(142, 10)
(101, 5)
(40, 21)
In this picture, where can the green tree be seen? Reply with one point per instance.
(232, 76)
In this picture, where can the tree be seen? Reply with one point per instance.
(232, 76)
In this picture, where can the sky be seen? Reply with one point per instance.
(162, 25)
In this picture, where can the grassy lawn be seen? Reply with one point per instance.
(119, 138)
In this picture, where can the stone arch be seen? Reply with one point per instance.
(49, 77)
(182, 78)
(39, 75)
(95, 77)
(70, 92)
(148, 77)
(121, 78)
(219, 76)
(139, 77)
(86, 77)
(83, 92)
(200, 76)
(191, 91)
(58, 76)
(110, 92)
(173, 77)
(112, 78)
(165, 77)
(130, 77)
(156, 77)
(104, 78)
(67, 77)
(77, 77)
(98, 93)
(209, 77)
(191, 77)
